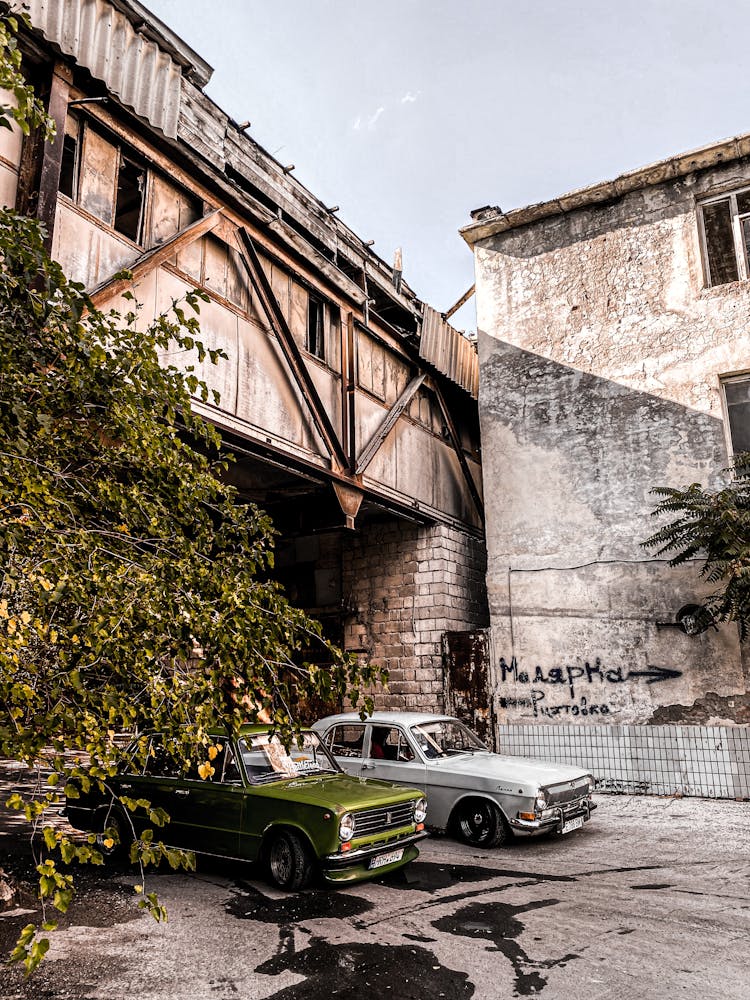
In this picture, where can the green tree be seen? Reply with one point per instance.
(134, 582)
(712, 526)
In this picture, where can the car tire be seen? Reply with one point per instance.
(480, 823)
(288, 861)
(120, 851)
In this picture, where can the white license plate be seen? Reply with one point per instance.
(573, 824)
(386, 859)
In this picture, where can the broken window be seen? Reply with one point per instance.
(131, 187)
(69, 166)
(737, 399)
(725, 231)
(315, 320)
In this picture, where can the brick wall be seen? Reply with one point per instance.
(404, 586)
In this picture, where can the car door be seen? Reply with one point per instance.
(209, 811)
(345, 741)
(390, 755)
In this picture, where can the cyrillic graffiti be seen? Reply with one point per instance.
(586, 674)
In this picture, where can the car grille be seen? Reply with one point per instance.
(385, 818)
(568, 792)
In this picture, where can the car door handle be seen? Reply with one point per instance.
(368, 767)
(182, 791)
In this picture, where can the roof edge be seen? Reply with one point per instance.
(490, 221)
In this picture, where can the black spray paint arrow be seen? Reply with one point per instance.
(654, 674)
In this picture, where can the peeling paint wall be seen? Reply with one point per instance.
(600, 357)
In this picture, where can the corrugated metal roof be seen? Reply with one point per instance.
(103, 39)
(448, 351)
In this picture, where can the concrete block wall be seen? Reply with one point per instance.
(708, 761)
(404, 585)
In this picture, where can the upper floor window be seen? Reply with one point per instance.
(725, 233)
(737, 399)
(315, 324)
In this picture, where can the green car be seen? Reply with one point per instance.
(294, 811)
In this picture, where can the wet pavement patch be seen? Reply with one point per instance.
(499, 923)
(365, 971)
(428, 876)
(250, 904)
(654, 885)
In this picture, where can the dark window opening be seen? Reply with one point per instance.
(131, 186)
(69, 167)
(315, 313)
(720, 250)
(737, 395)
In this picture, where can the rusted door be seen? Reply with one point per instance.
(466, 658)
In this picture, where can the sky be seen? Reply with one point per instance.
(408, 114)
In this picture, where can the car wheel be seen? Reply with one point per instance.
(114, 851)
(480, 823)
(289, 865)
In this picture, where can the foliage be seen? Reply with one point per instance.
(134, 582)
(712, 525)
(27, 111)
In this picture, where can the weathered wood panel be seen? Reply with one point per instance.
(87, 252)
(98, 179)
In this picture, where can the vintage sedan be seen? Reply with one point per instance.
(294, 810)
(482, 797)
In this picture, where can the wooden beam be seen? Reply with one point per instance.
(464, 298)
(375, 442)
(154, 258)
(291, 351)
(458, 448)
(52, 152)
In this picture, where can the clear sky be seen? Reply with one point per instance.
(410, 113)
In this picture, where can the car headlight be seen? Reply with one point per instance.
(346, 827)
(541, 801)
(420, 811)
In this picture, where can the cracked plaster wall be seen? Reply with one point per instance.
(600, 355)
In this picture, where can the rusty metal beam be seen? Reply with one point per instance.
(464, 298)
(348, 388)
(290, 349)
(458, 448)
(375, 442)
(154, 258)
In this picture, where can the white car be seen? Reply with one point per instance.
(481, 796)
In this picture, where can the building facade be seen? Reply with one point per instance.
(348, 403)
(615, 358)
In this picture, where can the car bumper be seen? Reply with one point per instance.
(527, 827)
(355, 865)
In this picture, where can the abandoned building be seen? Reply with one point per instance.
(615, 357)
(349, 404)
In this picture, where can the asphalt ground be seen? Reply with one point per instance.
(651, 899)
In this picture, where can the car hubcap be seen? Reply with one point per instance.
(281, 861)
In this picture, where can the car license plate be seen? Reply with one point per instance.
(386, 859)
(572, 824)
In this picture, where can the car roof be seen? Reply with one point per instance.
(384, 718)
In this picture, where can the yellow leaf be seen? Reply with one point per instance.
(205, 770)
(108, 843)
(3, 609)
(25, 617)
(213, 752)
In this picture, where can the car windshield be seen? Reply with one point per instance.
(267, 760)
(446, 738)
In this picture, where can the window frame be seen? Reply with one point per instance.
(741, 250)
(319, 305)
(724, 380)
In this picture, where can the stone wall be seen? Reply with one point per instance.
(404, 586)
(601, 353)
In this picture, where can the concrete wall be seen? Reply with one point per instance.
(404, 586)
(600, 356)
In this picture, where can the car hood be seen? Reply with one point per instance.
(339, 792)
(516, 770)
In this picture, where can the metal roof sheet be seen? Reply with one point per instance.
(105, 41)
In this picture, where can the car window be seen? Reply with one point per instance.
(389, 743)
(267, 760)
(160, 763)
(445, 738)
(345, 741)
